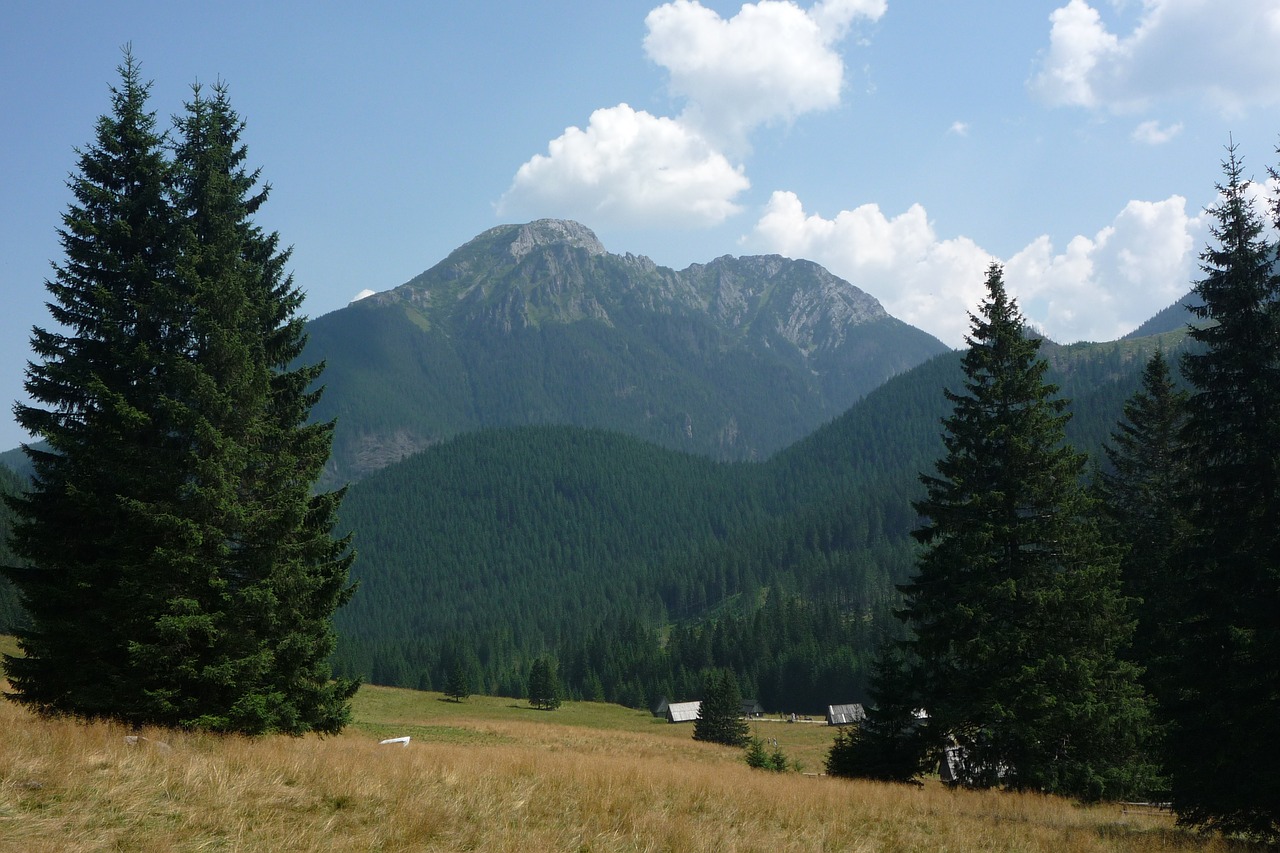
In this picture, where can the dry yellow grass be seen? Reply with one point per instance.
(491, 775)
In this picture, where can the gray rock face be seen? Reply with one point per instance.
(545, 232)
(558, 271)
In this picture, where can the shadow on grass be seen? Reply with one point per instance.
(1173, 838)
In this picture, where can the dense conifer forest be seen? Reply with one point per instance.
(639, 568)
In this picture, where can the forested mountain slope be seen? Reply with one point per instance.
(538, 324)
(507, 544)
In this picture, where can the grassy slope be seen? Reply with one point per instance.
(492, 774)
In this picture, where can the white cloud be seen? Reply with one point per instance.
(924, 281)
(363, 294)
(1221, 53)
(1151, 133)
(1098, 288)
(628, 168)
(772, 61)
(959, 128)
(1104, 286)
(1078, 45)
(836, 16)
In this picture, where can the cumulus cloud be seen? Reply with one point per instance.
(772, 61)
(1104, 286)
(628, 168)
(1096, 288)
(920, 279)
(1221, 53)
(1078, 45)
(363, 295)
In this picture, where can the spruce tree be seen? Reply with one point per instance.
(720, 714)
(457, 685)
(223, 586)
(1142, 497)
(1224, 709)
(888, 745)
(1017, 613)
(544, 685)
(285, 574)
(97, 517)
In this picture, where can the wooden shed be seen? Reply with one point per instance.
(683, 712)
(844, 715)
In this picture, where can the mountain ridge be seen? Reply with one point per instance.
(538, 323)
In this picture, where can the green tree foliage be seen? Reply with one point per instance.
(586, 543)
(11, 613)
(288, 573)
(1224, 709)
(85, 519)
(888, 746)
(457, 684)
(1017, 613)
(1142, 498)
(544, 685)
(720, 717)
(179, 570)
(757, 757)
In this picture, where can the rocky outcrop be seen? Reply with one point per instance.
(558, 271)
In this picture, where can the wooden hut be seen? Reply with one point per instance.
(683, 712)
(844, 715)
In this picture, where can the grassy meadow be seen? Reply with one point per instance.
(492, 774)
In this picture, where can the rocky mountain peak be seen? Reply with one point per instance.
(545, 232)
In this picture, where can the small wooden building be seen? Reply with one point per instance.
(751, 709)
(845, 715)
(683, 712)
(951, 769)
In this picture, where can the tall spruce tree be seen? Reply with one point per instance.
(285, 574)
(1017, 612)
(94, 520)
(1225, 710)
(224, 581)
(1142, 497)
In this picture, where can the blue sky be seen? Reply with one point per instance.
(901, 143)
